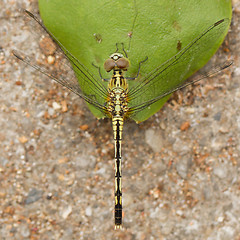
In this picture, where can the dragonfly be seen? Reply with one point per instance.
(116, 101)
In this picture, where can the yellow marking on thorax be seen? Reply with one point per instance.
(117, 82)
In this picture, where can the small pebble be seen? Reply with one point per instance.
(56, 106)
(220, 171)
(220, 219)
(66, 211)
(154, 139)
(182, 166)
(185, 126)
(190, 110)
(23, 139)
(33, 196)
(64, 106)
(50, 59)
(167, 228)
(51, 111)
(88, 211)
(24, 230)
(84, 127)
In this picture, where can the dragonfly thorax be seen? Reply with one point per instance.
(118, 89)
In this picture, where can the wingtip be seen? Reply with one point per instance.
(17, 55)
(27, 12)
(228, 64)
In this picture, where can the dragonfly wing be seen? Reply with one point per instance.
(211, 73)
(170, 75)
(92, 89)
(68, 82)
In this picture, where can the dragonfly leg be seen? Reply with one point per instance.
(99, 72)
(140, 63)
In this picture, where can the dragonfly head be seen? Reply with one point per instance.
(116, 61)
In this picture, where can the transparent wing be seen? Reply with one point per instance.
(68, 83)
(211, 73)
(169, 76)
(95, 94)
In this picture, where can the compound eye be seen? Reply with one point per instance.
(122, 63)
(109, 64)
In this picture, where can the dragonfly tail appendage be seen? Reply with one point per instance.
(117, 123)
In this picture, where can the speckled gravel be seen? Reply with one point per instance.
(180, 167)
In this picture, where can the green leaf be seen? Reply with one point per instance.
(156, 29)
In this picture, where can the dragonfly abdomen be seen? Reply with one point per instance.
(117, 123)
